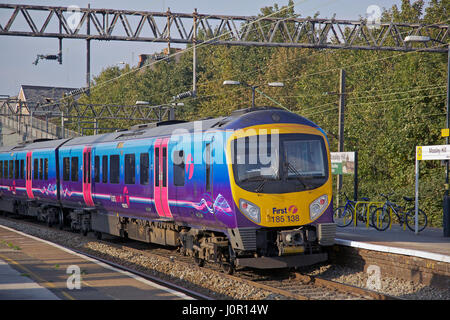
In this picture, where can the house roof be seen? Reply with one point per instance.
(36, 96)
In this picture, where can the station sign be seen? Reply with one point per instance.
(342, 162)
(441, 152)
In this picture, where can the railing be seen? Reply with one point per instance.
(15, 115)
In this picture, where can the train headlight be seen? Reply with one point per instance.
(250, 210)
(318, 206)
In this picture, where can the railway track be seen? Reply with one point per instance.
(284, 285)
(194, 294)
(290, 284)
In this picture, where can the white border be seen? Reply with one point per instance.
(395, 250)
(104, 265)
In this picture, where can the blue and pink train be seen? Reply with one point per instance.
(251, 189)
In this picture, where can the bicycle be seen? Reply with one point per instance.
(381, 220)
(344, 215)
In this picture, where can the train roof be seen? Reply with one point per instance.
(34, 144)
(144, 131)
(238, 119)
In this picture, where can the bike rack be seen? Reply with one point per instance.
(369, 204)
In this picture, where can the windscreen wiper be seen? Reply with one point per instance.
(260, 187)
(297, 174)
(253, 179)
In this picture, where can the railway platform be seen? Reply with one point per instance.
(429, 243)
(423, 258)
(35, 269)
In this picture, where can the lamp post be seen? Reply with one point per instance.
(253, 88)
(446, 206)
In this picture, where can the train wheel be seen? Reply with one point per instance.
(61, 219)
(228, 268)
(98, 235)
(199, 262)
(49, 221)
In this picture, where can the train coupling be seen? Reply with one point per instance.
(292, 241)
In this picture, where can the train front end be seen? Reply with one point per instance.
(281, 185)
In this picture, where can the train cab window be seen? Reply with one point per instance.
(114, 169)
(74, 171)
(66, 169)
(46, 169)
(11, 169)
(1, 169)
(16, 169)
(144, 166)
(22, 169)
(41, 169)
(130, 169)
(96, 169)
(178, 168)
(105, 169)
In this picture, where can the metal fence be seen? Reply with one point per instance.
(32, 124)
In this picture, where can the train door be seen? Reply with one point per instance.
(87, 179)
(29, 181)
(161, 178)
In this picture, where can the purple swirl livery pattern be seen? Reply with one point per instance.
(220, 205)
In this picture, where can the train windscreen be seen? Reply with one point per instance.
(280, 163)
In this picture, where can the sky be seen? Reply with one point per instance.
(18, 53)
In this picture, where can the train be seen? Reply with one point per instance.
(252, 189)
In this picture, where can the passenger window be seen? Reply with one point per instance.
(178, 168)
(41, 169)
(22, 169)
(208, 166)
(66, 169)
(105, 169)
(1, 169)
(11, 169)
(156, 167)
(164, 151)
(144, 166)
(85, 167)
(16, 167)
(46, 169)
(74, 171)
(96, 169)
(130, 168)
(6, 170)
(36, 169)
(114, 173)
